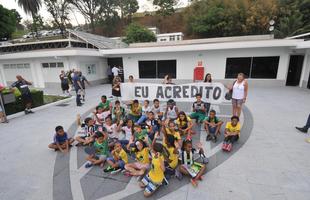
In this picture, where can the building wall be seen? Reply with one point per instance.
(306, 71)
(214, 61)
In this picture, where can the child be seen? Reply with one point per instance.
(170, 129)
(153, 125)
(199, 109)
(153, 180)
(142, 163)
(184, 124)
(135, 111)
(61, 140)
(112, 130)
(97, 153)
(105, 104)
(188, 165)
(212, 126)
(99, 116)
(172, 110)
(146, 108)
(118, 112)
(118, 160)
(139, 134)
(232, 133)
(157, 109)
(128, 130)
(86, 137)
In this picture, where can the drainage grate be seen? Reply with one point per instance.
(63, 104)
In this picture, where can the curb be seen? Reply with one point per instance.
(19, 114)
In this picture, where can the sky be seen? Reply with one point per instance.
(75, 17)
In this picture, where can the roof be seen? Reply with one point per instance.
(292, 43)
(169, 34)
(99, 41)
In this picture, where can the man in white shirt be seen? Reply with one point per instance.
(115, 71)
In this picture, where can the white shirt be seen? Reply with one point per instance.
(238, 90)
(128, 132)
(156, 111)
(115, 71)
(112, 132)
(146, 109)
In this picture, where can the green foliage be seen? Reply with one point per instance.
(128, 7)
(7, 22)
(166, 7)
(137, 33)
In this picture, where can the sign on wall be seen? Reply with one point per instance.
(211, 92)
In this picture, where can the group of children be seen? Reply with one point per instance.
(158, 140)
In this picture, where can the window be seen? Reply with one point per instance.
(91, 69)
(147, 69)
(253, 67)
(157, 68)
(237, 65)
(265, 67)
(163, 39)
(17, 66)
(52, 65)
(171, 38)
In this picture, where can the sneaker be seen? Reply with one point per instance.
(303, 129)
(30, 111)
(88, 165)
(208, 138)
(214, 139)
(108, 169)
(114, 171)
(229, 147)
(224, 146)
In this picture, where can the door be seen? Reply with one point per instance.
(308, 86)
(294, 70)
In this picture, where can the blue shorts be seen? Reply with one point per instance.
(121, 163)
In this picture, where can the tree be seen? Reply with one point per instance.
(137, 33)
(31, 7)
(165, 7)
(7, 22)
(59, 9)
(108, 15)
(89, 9)
(128, 7)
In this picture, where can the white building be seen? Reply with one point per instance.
(166, 37)
(264, 60)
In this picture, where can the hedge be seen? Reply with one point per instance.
(18, 105)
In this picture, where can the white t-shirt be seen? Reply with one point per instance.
(115, 71)
(146, 109)
(102, 116)
(156, 111)
(112, 131)
(128, 132)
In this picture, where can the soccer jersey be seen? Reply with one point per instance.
(135, 111)
(214, 119)
(22, 86)
(143, 156)
(172, 157)
(176, 134)
(102, 148)
(231, 128)
(123, 155)
(106, 105)
(199, 106)
(183, 123)
(156, 173)
(141, 135)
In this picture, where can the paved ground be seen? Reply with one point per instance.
(273, 163)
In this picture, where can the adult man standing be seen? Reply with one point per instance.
(115, 71)
(22, 85)
(77, 87)
(83, 80)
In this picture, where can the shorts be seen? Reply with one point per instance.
(27, 98)
(100, 157)
(65, 87)
(139, 165)
(237, 102)
(150, 186)
(121, 163)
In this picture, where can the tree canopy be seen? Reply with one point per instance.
(137, 33)
(8, 21)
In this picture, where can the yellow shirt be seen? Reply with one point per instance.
(135, 111)
(172, 156)
(231, 128)
(176, 134)
(183, 123)
(156, 174)
(143, 156)
(123, 155)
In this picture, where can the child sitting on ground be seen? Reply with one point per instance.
(142, 163)
(86, 136)
(61, 140)
(212, 126)
(157, 109)
(118, 112)
(112, 130)
(172, 110)
(105, 104)
(139, 134)
(146, 108)
(135, 111)
(170, 129)
(184, 124)
(188, 165)
(199, 109)
(99, 116)
(154, 179)
(128, 131)
(232, 133)
(153, 125)
(97, 153)
(118, 160)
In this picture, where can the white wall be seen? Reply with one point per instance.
(306, 70)
(214, 61)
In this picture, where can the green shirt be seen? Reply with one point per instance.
(215, 119)
(140, 136)
(102, 148)
(106, 105)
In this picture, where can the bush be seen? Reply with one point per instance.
(18, 105)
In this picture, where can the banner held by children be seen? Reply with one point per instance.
(211, 92)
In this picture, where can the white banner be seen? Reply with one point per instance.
(211, 92)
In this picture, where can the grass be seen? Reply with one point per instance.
(52, 98)
(19, 34)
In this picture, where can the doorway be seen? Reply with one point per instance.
(117, 62)
(294, 70)
(308, 86)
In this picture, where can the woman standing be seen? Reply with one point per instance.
(116, 86)
(239, 94)
(208, 79)
(64, 83)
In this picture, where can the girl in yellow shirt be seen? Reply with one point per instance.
(184, 124)
(142, 163)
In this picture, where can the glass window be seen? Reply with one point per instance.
(6, 66)
(52, 65)
(26, 65)
(13, 66)
(60, 64)
(237, 65)
(265, 67)
(171, 38)
(165, 67)
(45, 65)
(20, 66)
(147, 69)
